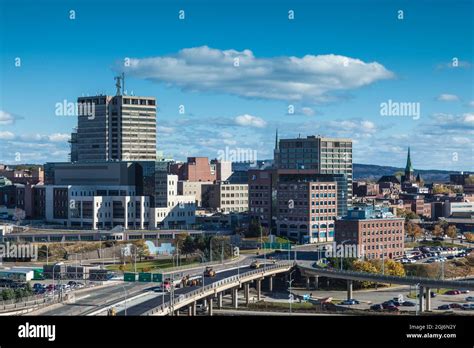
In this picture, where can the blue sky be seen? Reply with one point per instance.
(335, 62)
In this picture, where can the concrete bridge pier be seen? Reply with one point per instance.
(247, 293)
(259, 288)
(190, 310)
(308, 283)
(235, 299)
(420, 299)
(428, 299)
(270, 283)
(316, 282)
(209, 308)
(204, 302)
(349, 289)
(219, 300)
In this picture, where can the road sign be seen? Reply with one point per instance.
(157, 277)
(285, 246)
(130, 277)
(144, 277)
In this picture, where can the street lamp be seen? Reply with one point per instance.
(290, 295)
(126, 294)
(47, 250)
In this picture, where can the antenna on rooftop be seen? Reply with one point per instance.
(120, 83)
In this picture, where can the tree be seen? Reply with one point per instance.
(413, 230)
(407, 214)
(8, 294)
(394, 268)
(189, 245)
(364, 266)
(255, 229)
(451, 232)
(438, 230)
(141, 249)
(469, 236)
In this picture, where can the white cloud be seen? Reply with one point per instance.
(250, 121)
(165, 130)
(447, 97)
(6, 118)
(471, 103)
(6, 135)
(59, 137)
(308, 111)
(468, 118)
(313, 78)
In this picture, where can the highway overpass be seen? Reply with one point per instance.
(424, 285)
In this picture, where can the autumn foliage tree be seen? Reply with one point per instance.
(451, 232)
(438, 230)
(413, 230)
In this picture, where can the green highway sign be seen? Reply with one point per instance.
(157, 277)
(286, 246)
(144, 277)
(129, 277)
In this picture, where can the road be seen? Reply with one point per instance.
(92, 299)
(369, 297)
(159, 299)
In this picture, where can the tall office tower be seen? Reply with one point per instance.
(323, 155)
(119, 127)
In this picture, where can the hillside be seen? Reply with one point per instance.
(374, 172)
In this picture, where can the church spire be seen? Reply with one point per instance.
(409, 167)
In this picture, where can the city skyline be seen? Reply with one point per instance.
(336, 82)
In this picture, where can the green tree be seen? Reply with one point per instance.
(141, 249)
(189, 245)
(8, 294)
(255, 229)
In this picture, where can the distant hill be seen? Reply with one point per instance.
(374, 172)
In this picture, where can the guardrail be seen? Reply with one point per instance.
(203, 291)
(27, 304)
(379, 278)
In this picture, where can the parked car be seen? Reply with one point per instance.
(456, 305)
(376, 307)
(470, 298)
(468, 306)
(350, 302)
(464, 291)
(392, 308)
(452, 292)
(408, 304)
(444, 307)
